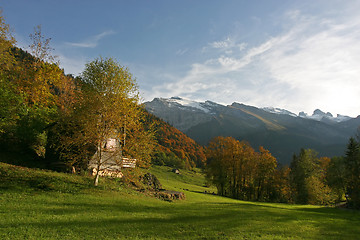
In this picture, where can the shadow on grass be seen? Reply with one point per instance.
(104, 217)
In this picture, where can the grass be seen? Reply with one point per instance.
(36, 204)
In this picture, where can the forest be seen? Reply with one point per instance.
(238, 171)
(63, 121)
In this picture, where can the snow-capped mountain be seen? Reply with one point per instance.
(281, 131)
(182, 113)
(208, 107)
(319, 115)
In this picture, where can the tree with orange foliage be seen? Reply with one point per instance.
(174, 148)
(266, 166)
(238, 171)
(30, 87)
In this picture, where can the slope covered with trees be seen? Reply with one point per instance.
(174, 148)
(61, 120)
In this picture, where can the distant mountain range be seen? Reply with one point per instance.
(282, 132)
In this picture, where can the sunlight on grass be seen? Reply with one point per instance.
(109, 214)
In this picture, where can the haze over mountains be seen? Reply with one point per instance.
(282, 132)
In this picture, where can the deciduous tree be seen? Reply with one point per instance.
(238, 171)
(308, 179)
(9, 100)
(110, 108)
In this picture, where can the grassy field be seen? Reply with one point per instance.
(37, 204)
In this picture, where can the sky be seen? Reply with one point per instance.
(298, 55)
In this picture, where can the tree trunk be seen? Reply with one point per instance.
(96, 181)
(99, 162)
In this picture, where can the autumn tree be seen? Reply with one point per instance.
(9, 100)
(238, 171)
(217, 163)
(32, 88)
(109, 108)
(174, 148)
(40, 47)
(280, 187)
(266, 166)
(308, 179)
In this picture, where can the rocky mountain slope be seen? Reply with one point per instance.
(282, 132)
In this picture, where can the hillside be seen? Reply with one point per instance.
(41, 106)
(174, 144)
(38, 204)
(283, 134)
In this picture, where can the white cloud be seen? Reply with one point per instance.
(227, 43)
(91, 42)
(312, 64)
(322, 66)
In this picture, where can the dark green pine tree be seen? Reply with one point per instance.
(352, 162)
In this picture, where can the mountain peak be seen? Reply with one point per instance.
(321, 113)
(208, 107)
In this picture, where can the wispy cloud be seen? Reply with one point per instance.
(313, 63)
(91, 42)
(228, 46)
(320, 65)
(181, 52)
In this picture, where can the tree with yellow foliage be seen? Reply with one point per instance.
(109, 108)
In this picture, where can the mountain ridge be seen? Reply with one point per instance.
(281, 132)
(316, 115)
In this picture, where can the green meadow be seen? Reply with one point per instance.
(38, 204)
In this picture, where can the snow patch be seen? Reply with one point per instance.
(188, 103)
(279, 111)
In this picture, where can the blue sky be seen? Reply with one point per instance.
(294, 54)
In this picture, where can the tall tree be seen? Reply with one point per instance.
(302, 167)
(9, 100)
(38, 80)
(217, 166)
(238, 171)
(308, 179)
(352, 164)
(40, 47)
(281, 189)
(266, 166)
(109, 108)
(336, 177)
